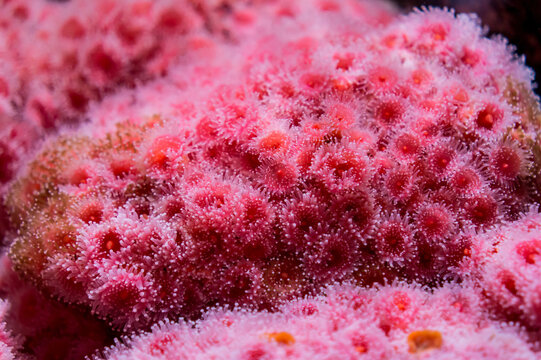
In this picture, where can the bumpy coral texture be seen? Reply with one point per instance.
(59, 57)
(393, 322)
(307, 153)
(247, 154)
(507, 266)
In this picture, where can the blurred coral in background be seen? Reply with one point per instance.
(265, 179)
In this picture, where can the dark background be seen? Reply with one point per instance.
(518, 20)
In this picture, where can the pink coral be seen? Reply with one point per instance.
(249, 153)
(507, 267)
(393, 322)
(213, 196)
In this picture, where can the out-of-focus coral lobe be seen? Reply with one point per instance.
(398, 322)
(44, 328)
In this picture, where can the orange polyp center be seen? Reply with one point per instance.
(111, 242)
(283, 338)
(273, 141)
(424, 340)
(109, 245)
(361, 349)
(159, 154)
(488, 117)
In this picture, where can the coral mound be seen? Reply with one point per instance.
(356, 152)
(170, 157)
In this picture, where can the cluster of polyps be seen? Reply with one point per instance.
(507, 267)
(328, 148)
(240, 202)
(393, 322)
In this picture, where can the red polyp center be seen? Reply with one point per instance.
(254, 251)
(100, 60)
(254, 210)
(77, 99)
(4, 88)
(21, 12)
(439, 32)
(110, 242)
(283, 175)
(340, 168)
(489, 116)
(240, 286)
(91, 213)
(389, 112)
(214, 198)
(407, 144)
(397, 183)
(341, 113)
(305, 219)
(401, 301)
(434, 222)
(465, 179)
(483, 210)
(174, 207)
(506, 162)
(382, 77)
(313, 81)
(171, 20)
(393, 237)
(510, 284)
(441, 158)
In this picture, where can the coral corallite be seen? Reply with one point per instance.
(248, 156)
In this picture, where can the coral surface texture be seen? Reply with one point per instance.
(265, 179)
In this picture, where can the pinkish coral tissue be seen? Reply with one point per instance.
(213, 179)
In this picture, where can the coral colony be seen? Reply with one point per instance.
(206, 179)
